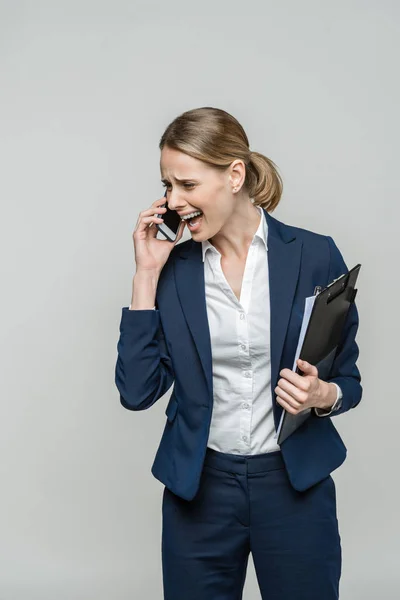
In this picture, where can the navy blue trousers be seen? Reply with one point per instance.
(247, 504)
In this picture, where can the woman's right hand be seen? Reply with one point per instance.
(151, 254)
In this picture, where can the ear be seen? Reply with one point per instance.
(237, 174)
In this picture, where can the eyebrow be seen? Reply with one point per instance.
(177, 179)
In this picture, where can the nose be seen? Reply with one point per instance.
(173, 201)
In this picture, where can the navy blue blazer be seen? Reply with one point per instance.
(171, 345)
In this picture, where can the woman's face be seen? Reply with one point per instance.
(192, 185)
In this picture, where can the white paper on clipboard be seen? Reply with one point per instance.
(309, 303)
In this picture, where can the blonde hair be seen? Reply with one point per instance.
(215, 137)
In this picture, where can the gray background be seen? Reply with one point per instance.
(87, 89)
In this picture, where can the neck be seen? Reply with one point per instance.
(234, 239)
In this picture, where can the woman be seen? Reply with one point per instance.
(219, 317)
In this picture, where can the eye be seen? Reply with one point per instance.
(187, 186)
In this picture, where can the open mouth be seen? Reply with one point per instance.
(194, 221)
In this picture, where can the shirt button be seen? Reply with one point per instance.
(242, 316)
(247, 374)
(245, 405)
(244, 438)
(243, 347)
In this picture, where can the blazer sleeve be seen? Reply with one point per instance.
(143, 371)
(344, 371)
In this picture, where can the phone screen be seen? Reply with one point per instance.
(171, 222)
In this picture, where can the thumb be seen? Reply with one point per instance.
(307, 368)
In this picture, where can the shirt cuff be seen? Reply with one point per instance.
(320, 412)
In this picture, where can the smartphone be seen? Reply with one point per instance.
(169, 228)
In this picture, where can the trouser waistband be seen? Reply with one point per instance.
(244, 463)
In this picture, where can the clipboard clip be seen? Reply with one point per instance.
(317, 290)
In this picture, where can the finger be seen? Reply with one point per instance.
(291, 390)
(306, 367)
(182, 226)
(287, 406)
(145, 219)
(298, 380)
(150, 212)
(159, 201)
(155, 208)
(152, 219)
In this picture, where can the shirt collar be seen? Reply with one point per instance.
(261, 233)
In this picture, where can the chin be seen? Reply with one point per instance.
(199, 237)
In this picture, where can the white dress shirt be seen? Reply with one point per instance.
(242, 419)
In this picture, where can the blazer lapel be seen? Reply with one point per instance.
(190, 285)
(284, 254)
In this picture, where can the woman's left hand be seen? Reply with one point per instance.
(297, 392)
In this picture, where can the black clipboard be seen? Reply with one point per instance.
(322, 337)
